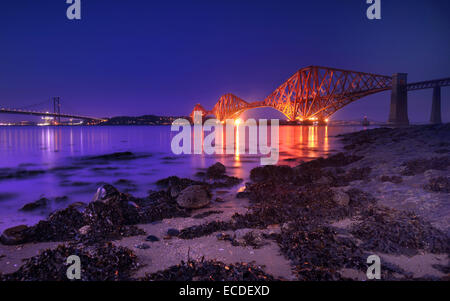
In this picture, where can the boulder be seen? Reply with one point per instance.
(175, 185)
(194, 197)
(106, 193)
(173, 232)
(41, 203)
(340, 197)
(152, 238)
(14, 235)
(216, 170)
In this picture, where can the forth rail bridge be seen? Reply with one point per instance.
(315, 93)
(311, 95)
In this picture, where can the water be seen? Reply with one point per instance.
(61, 155)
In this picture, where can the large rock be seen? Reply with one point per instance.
(41, 203)
(175, 185)
(276, 173)
(110, 210)
(14, 235)
(341, 198)
(106, 193)
(194, 197)
(216, 170)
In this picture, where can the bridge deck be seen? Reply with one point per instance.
(429, 84)
(35, 113)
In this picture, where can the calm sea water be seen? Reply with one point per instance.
(62, 154)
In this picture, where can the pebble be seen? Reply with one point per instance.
(142, 246)
(152, 238)
(173, 232)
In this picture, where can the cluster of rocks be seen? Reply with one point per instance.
(308, 198)
(281, 194)
(363, 139)
(216, 178)
(112, 214)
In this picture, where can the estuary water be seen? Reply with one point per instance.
(66, 164)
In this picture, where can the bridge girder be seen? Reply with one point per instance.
(312, 92)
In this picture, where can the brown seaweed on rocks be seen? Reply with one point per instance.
(418, 166)
(100, 263)
(392, 179)
(318, 248)
(59, 226)
(201, 270)
(272, 204)
(312, 171)
(398, 232)
(110, 216)
(439, 184)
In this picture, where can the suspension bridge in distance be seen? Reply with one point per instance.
(55, 116)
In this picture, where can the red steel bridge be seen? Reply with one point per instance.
(315, 93)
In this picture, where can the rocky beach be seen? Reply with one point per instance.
(387, 193)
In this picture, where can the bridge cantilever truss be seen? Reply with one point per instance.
(311, 93)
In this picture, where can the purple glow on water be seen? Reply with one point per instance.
(60, 152)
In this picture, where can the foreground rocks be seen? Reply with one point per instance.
(216, 171)
(194, 197)
(39, 204)
(14, 235)
(309, 199)
(112, 214)
(101, 263)
(396, 232)
(210, 271)
(330, 213)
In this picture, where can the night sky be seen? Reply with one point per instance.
(135, 57)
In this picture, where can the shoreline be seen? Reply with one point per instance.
(315, 221)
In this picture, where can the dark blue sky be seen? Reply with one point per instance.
(134, 57)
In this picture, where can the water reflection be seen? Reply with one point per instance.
(42, 148)
(19, 144)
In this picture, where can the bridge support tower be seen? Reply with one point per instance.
(398, 114)
(436, 106)
(57, 109)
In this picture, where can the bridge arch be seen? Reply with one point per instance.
(313, 93)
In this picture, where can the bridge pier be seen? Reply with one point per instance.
(398, 114)
(436, 106)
